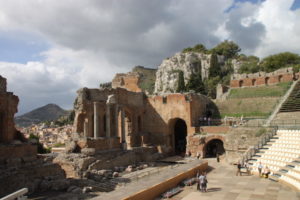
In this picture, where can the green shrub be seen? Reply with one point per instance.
(40, 148)
(260, 132)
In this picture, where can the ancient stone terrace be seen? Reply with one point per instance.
(118, 118)
(263, 78)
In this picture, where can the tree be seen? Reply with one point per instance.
(195, 83)
(215, 68)
(211, 85)
(199, 48)
(229, 49)
(281, 60)
(249, 64)
(181, 84)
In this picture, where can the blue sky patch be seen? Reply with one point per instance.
(296, 5)
(21, 47)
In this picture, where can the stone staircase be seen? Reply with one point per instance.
(292, 103)
(282, 155)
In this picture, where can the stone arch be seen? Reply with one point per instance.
(241, 83)
(212, 146)
(178, 129)
(267, 79)
(280, 78)
(253, 82)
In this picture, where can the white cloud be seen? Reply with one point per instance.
(94, 39)
(282, 27)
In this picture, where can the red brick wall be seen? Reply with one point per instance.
(196, 144)
(214, 129)
(247, 82)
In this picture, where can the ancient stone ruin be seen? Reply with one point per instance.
(8, 108)
(121, 119)
(263, 78)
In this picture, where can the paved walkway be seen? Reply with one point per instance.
(146, 182)
(223, 184)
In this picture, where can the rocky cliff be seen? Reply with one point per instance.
(191, 62)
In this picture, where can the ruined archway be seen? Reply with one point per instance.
(267, 80)
(241, 83)
(280, 78)
(180, 133)
(213, 147)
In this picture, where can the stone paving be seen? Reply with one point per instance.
(223, 184)
(146, 182)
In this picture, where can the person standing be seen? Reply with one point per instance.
(259, 167)
(201, 180)
(218, 157)
(239, 166)
(198, 181)
(204, 184)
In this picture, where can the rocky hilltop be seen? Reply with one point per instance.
(189, 63)
(48, 112)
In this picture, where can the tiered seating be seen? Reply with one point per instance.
(292, 103)
(282, 156)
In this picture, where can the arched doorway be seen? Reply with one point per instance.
(241, 83)
(253, 82)
(213, 147)
(180, 133)
(267, 80)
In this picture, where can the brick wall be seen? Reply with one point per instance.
(263, 80)
(129, 81)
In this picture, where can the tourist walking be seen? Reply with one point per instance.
(203, 182)
(259, 167)
(238, 171)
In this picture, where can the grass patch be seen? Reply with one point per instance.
(260, 132)
(264, 91)
(59, 145)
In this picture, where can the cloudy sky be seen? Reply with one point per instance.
(50, 48)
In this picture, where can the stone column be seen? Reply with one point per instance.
(90, 126)
(85, 128)
(116, 120)
(123, 139)
(123, 125)
(96, 120)
(107, 120)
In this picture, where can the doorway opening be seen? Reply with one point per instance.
(180, 133)
(214, 147)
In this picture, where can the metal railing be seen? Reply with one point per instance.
(19, 195)
(291, 124)
(251, 151)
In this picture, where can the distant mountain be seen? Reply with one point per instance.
(48, 112)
